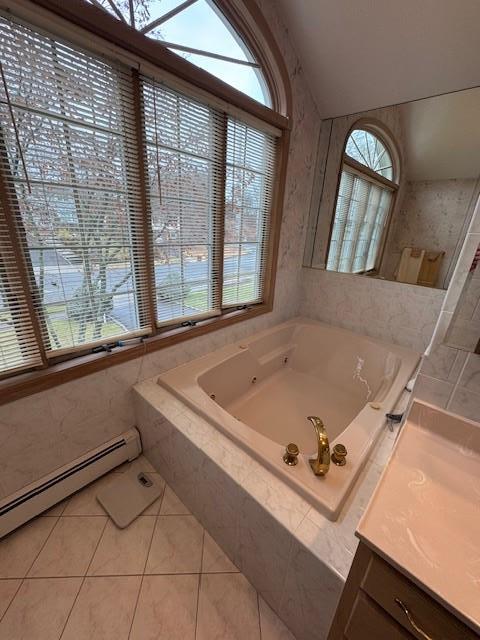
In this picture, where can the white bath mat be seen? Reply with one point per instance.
(129, 495)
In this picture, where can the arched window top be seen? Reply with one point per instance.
(367, 148)
(200, 33)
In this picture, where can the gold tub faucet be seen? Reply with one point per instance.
(321, 464)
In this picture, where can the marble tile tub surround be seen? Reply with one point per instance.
(400, 313)
(296, 558)
(142, 582)
(450, 379)
(42, 432)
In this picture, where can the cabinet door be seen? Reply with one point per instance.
(425, 619)
(369, 622)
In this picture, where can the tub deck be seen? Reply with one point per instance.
(259, 392)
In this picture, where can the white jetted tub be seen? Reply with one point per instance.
(260, 391)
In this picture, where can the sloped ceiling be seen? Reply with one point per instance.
(362, 54)
(442, 136)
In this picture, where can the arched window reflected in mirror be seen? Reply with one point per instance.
(366, 192)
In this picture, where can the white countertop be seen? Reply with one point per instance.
(424, 516)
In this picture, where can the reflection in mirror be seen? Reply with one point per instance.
(368, 186)
(464, 330)
(395, 190)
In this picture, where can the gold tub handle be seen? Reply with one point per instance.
(290, 456)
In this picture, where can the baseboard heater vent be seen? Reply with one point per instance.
(54, 487)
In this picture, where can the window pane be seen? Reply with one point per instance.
(198, 26)
(184, 156)
(245, 79)
(360, 217)
(370, 151)
(248, 191)
(79, 197)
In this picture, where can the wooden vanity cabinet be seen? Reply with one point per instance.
(370, 609)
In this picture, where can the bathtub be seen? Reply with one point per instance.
(260, 391)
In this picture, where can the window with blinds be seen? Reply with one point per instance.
(185, 159)
(248, 201)
(18, 342)
(363, 205)
(67, 128)
(127, 206)
(360, 218)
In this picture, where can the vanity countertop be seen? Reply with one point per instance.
(424, 517)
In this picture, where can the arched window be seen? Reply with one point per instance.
(200, 33)
(366, 192)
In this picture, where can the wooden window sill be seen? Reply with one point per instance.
(26, 384)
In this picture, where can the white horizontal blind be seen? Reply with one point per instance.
(185, 142)
(79, 197)
(18, 345)
(248, 201)
(360, 217)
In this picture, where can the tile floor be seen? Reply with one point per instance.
(71, 574)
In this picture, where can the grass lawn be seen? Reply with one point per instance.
(199, 299)
(65, 329)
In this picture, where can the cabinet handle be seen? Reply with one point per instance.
(412, 622)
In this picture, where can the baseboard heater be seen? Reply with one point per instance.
(54, 487)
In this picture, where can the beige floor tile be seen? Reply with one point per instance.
(166, 608)
(227, 608)
(123, 551)
(153, 509)
(271, 626)
(19, 549)
(104, 609)
(172, 505)
(69, 548)
(84, 502)
(40, 609)
(176, 546)
(214, 559)
(56, 510)
(8, 588)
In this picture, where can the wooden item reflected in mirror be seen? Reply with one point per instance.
(418, 266)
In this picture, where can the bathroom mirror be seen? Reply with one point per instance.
(395, 189)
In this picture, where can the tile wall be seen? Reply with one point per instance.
(450, 377)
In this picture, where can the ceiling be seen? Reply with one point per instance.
(441, 136)
(362, 54)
